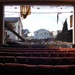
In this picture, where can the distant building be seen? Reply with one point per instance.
(25, 33)
(17, 26)
(42, 34)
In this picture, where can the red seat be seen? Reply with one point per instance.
(62, 54)
(1, 59)
(54, 54)
(28, 69)
(36, 54)
(45, 70)
(56, 61)
(71, 70)
(34, 60)
(70, 54)
(21, 59)
(11, 69)
(45, 54)
(68, 60)
(27, 54)
(61, 69)
(44, 60)
(1, 68)
(19, 53)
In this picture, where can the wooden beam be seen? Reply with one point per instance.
(7, 26)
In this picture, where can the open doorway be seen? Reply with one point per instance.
(48, 25)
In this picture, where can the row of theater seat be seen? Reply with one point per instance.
(38, 49)
(38, 54)
(22, 61)
(36, 57)
(33, 50)
(25, 69)
(38, 60)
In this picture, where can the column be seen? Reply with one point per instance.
(1, 24)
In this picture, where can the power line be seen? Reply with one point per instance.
(41, 12)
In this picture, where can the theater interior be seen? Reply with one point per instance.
(36, 59)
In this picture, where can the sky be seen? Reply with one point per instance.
(42, 17)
